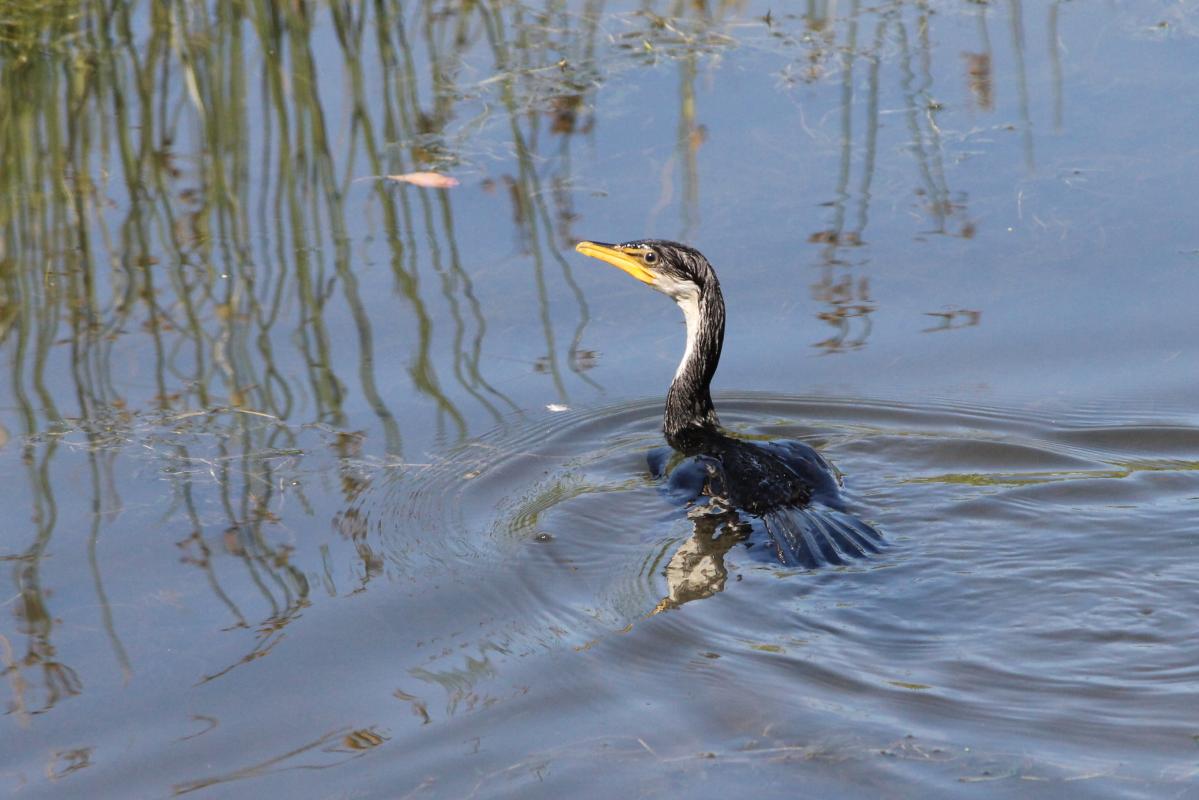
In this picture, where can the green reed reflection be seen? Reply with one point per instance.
(192, 211)
(176, 250)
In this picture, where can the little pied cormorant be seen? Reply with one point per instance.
(788, 485)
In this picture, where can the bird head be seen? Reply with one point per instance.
(674, 269)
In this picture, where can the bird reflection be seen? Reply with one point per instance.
(697, 570)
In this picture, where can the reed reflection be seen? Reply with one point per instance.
(325, 751)
(897, 54)
(184, 203)
(845, 297)
(187, 245)
(517, 58)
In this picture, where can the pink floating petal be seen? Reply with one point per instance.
(427, 180)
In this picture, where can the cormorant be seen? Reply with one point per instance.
(788, 485)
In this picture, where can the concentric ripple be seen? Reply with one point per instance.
(1035, 592)
(559, 517)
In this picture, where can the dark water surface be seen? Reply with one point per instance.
(323, 485)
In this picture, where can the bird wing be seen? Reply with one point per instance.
(815, 536)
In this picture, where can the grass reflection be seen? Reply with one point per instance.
(1118, 471)
(895, 41)
(170, 195)
(324, 752)
(189, 227)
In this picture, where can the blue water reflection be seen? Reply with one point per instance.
(323, 482)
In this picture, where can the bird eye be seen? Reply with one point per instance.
(649, 257)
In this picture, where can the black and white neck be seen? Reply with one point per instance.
(689, 410)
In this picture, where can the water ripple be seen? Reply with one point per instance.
(1036, 584)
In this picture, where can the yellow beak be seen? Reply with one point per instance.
(617, 257)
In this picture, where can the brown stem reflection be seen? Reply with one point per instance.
(846, 297)
(530, 210)
(979, 65)
(329, 750)
(902, 34)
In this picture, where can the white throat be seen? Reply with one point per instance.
(689, 303)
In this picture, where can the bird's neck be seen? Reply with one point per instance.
(689, 410)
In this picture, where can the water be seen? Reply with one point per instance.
(330, 486)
